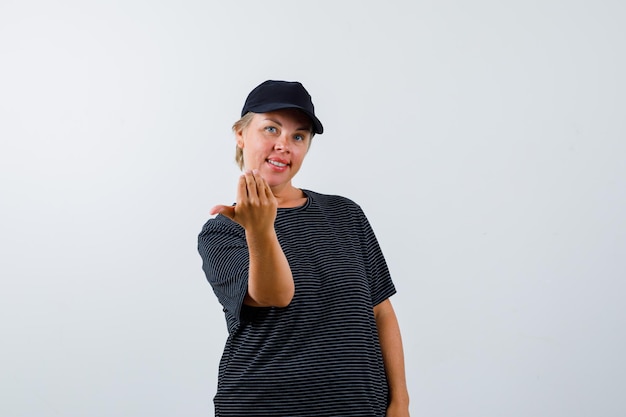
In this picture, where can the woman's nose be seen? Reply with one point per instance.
(281, 143)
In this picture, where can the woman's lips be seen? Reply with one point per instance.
(277, 164)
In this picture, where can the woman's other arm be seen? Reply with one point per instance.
(393, 358)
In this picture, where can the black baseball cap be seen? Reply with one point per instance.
(276, 95)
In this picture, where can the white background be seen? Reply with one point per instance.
(485, 140)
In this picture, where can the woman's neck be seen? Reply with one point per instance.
(289, 196)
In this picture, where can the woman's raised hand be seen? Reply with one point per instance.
(256, 205)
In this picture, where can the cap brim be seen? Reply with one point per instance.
(264, 108)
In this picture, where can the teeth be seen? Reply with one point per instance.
(278, 164)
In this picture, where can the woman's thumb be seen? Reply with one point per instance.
(228, 211)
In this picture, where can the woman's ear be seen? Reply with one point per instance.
(239, 138)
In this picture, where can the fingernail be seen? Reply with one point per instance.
(255, 171)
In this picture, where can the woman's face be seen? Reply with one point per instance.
(276, 143)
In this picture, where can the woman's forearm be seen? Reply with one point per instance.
(393, 355)
(270, 282)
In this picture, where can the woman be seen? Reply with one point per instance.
(302, 281)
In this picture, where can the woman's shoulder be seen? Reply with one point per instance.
(332, 200)
(221, 225)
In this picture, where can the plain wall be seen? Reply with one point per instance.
(485, 141)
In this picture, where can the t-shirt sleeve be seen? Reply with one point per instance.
(225, 261)
(380, 282)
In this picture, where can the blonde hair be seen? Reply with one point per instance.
(240, 125)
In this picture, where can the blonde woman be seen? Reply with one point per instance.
(302, 280)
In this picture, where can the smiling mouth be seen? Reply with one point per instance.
(276, 163)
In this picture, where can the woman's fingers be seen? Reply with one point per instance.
(256, 204)
(242, 189)
(267, 194)
(257, 189)
(251, 186)
(262, 187)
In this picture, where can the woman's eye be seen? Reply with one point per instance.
(271, 129)
(298, 137)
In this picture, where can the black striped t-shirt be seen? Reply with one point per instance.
(319, 356)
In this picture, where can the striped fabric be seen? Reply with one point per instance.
(320, 356)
